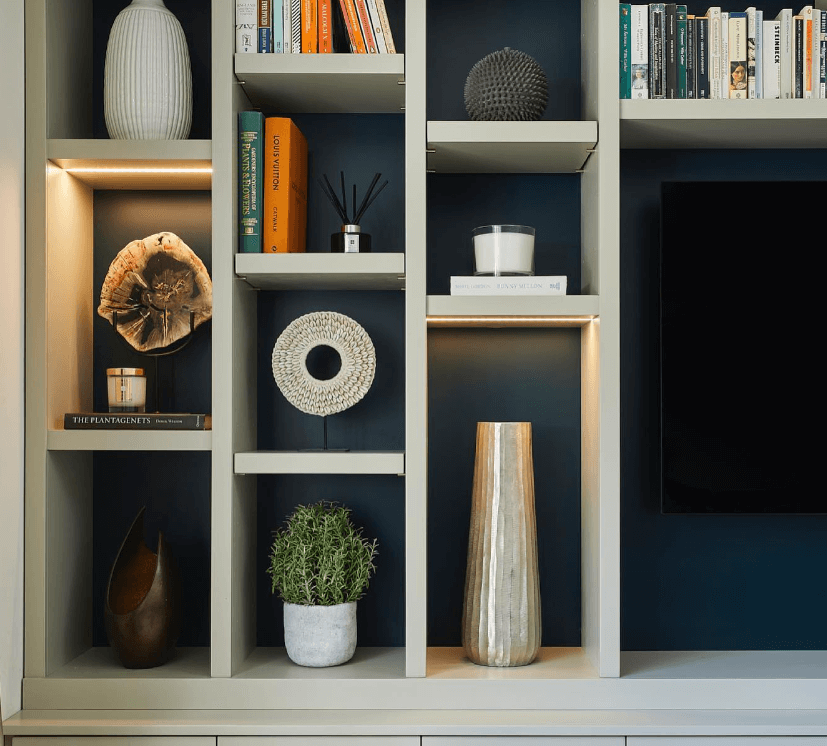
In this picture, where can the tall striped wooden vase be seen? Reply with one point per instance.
(147, 89)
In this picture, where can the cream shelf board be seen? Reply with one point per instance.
(323, 83)
(183, 164)
(579, 308)
(325, 271)
(367, 663)
(509, 147)
(129, 440)
(102, 663)
(551, 663)
(725, 664)
(400, 722)
(770, 123)
(320, 462)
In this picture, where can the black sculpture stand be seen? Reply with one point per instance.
(164, 395)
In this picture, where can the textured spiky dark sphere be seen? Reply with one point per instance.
(506, 85)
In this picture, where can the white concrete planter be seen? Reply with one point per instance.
(319, 636)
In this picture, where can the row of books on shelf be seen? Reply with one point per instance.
(667, 53)
(272, 172)
(313, 26)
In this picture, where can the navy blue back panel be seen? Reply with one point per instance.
(478, 375)
(714, 582)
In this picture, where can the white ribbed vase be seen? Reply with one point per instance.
(501, 610)
(147, 86)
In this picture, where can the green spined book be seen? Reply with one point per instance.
(625, 68)
(250, 170)
(681, 42)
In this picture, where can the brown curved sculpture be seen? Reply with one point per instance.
(143, 608)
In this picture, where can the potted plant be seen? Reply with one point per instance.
(320, 565)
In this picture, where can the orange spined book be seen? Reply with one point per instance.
(325, 26)
(354, 32)
(284, 223)
(310, 27)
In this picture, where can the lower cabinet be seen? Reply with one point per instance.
(319, 741)
(113, 741)
(726, 741)
(521, 741)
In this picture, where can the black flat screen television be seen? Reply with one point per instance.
(740, 411)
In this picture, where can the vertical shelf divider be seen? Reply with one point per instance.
(416, 355)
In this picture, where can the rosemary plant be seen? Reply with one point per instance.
(320, 558)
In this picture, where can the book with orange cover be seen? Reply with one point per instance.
(284, 223)
(354, 32)
(325, 14)
(310, 27)
(367, 26)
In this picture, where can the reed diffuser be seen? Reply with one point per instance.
(350, 239)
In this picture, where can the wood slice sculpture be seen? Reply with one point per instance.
(143, 606)
(155, 285)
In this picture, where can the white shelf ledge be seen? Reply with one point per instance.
(320, 462)
(324, 83)
(760, 123)
(378, 271)
(367, 663)
(129, 440)
(551, 663)
(114, 164)
(724, 664)
(557, 310)
(510, 147)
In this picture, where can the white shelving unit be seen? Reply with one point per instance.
(233, 686)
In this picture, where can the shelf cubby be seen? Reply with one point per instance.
(320, 462)
(456, 310)
(129, 440)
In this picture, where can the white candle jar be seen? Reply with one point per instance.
(503, 250)
(126, 389)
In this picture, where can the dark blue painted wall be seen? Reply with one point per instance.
(695, 582)
(478, 375)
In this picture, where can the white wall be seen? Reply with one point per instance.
(12, 171)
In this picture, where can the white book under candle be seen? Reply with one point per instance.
(501, 285)
(772, 59)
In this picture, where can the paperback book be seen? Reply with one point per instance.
(135, 421)
(537, 285)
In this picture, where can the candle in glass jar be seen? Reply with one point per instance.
(126, 389)
(503, 250)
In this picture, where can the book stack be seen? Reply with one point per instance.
(312, 26)
(135, 421)
(534, 285)
(272, 172)
(667, 53)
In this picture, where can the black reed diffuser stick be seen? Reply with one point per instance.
(341, 205)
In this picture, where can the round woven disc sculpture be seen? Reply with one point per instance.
(506, 85)
(312, 395)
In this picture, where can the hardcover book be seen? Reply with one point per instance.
(250, 151)
(291, 19)
(714, 15)
(277, 25)
(284, 225)
(354, 32)
(386, 26)
(246, 26)
(691, 77)
(310, 27)
(702, 57)
(265, 27)
(624, 21)
(135, 421)
(548, 285)
(785, 19)
(752, 41)
(680, 45)
(670, 49)
(772, 59)
(639, 56)
(325, 26)
(806, 14)
(759, 53)
(737, 63)
(366, 26)
(657, 60)
(376, 25)
(798, 57)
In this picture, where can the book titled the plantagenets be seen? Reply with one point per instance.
(543, 285)
(136, 421)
